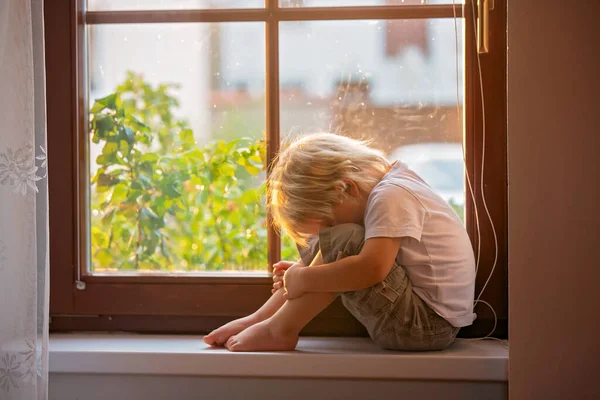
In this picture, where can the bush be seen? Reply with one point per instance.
(160, 202)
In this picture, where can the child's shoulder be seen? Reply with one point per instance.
(394, 187)
(400, 181)
(402, 185)
(393, 192)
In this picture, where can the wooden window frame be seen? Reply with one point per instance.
(199, 303)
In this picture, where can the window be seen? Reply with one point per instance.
(165, 115)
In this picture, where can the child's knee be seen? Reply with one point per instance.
(345, 238)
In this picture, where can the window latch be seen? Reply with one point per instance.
(483, 25)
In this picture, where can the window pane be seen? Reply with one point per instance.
(393, 82)
(176, 147)
(343, 3)
(113, 5)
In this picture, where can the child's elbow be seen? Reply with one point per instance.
(374, 271)
(380, 272)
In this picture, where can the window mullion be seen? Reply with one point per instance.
(272, 115)
(174, 16)
(273, 11)
(368, 12)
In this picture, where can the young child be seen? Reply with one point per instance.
(371, 232)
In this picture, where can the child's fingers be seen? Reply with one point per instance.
(278, 276)
(277, 285)
(283, 265)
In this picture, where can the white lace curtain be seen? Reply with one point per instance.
(23, 203)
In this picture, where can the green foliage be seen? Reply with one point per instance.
(160, 202)
(458, 209)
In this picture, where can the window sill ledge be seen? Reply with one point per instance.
(330, 358)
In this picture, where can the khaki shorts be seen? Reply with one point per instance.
(395, 317)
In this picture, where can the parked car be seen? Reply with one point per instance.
(439, 164)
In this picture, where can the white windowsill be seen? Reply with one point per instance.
(356, 358)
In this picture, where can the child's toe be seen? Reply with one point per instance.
(209, 339)
(231, 342)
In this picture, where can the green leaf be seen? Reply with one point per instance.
(117, 172)
(129, 134)
(195, 154)
(252, 170)
(125, 235)
(211, 254)
(104, 124)
(104, 258)
(110, 148)
(106, 180)
(99, 237)
(137, 124)
(164, 249)
(109, 102)
(227, 169)
(101, 160)
(149, 158)
(137, 186)
(170, 190)
(96, 137)
(250, 197)
(119, 193)
(204, 197)
(145, 181)
(124, 147)
(187, 137)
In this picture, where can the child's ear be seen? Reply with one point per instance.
(351, 188)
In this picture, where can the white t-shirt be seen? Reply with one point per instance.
(435, 249)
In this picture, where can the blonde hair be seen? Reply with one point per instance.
(310, 177)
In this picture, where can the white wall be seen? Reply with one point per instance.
(554, 175)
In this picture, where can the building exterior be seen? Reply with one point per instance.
(391, 81)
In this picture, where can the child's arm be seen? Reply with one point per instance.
(358, 272)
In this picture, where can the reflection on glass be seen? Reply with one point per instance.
(176, 149)
(393, 82)
(115, 5)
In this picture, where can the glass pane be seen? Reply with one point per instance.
(176, 147)
(113, 5)
(344, 3)
(393, 82)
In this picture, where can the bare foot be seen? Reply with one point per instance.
(219, 336)
(263, 336)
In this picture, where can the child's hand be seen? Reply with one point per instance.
(292, 282)
(278, 271)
